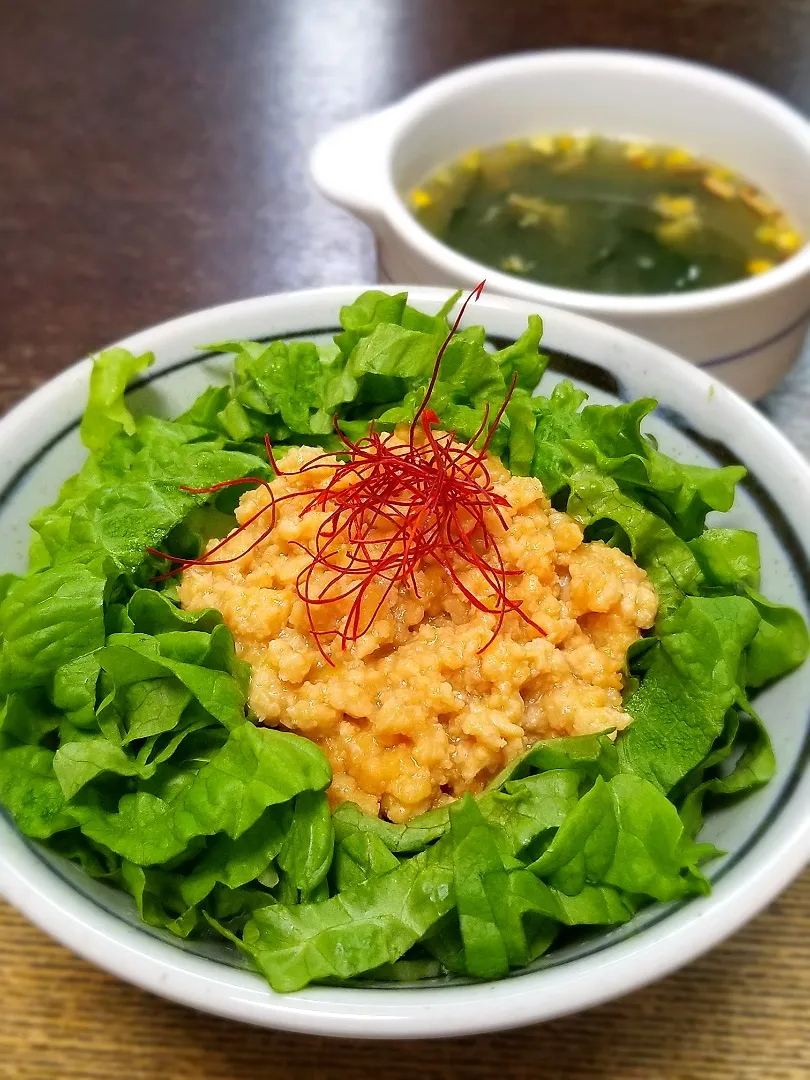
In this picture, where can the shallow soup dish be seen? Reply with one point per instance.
(748, 333)
(765, 836)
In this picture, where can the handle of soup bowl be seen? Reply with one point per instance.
(348, 164)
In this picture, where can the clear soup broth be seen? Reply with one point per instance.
(604, 215)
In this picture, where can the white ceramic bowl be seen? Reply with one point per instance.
(749, 333)
(767, 836)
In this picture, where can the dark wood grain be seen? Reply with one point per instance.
(153, 160)
(153, 155)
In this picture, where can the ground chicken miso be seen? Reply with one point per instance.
(413, 714)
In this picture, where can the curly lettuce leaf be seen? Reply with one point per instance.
(668, 560)
(127, 496)
(74, 691)
(680, 706)
(75, 764)
(31, 792)
(755, 766)
(780, 645)
(106, 413)
(682, 493)
(536, 798)
(134, 658)
(309, 844)
(360, 856)
(624, 832)
(609, 439)
(590, 755)
(401, 839)
(27, 717)
(47, 620)
(728, 557)
(380, 369)
(475, 858)
(235, 862)
(620, 840)
(730, 561)
(358, 930)
(255, 769)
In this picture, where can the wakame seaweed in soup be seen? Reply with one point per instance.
(604, 215)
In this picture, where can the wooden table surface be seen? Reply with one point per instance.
(152, 161)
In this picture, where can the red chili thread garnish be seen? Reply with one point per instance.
(390, 508)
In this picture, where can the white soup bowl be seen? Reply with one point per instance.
(749, 332)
